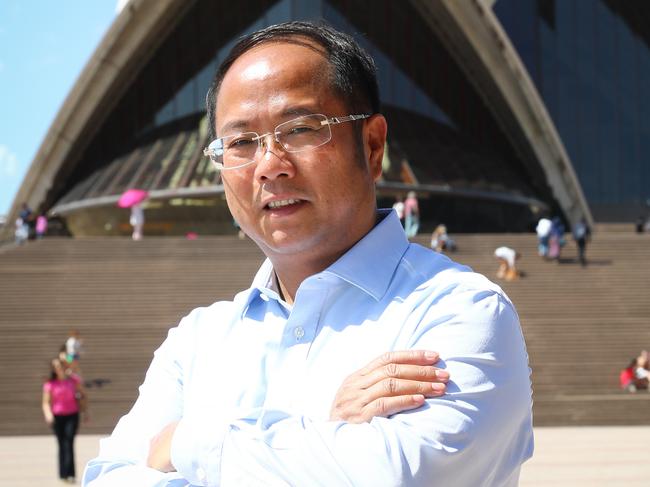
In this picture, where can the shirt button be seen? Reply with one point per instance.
(298, 332)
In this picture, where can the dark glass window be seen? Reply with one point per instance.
(594, 71)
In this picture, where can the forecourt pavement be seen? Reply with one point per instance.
(603, 456)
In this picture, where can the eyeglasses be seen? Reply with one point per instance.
(296, 135)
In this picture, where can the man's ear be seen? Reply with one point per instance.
(374, 143)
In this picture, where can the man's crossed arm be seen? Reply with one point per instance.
(476, 431)
(391, 383)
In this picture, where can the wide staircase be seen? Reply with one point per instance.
(582, 324)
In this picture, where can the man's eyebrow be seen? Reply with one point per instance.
(244, 125)
(239, 125)
(298, 111)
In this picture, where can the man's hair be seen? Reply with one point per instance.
(353, 74)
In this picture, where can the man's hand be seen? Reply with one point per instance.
(160, 449)
(392, 383)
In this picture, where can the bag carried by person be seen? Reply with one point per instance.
(554, 248)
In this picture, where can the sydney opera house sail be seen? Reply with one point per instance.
(492, 121)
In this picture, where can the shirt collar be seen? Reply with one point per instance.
(369, 265)
(263, 283)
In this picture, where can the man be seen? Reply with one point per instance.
(582, 234)
(25, 213)
(291, 382)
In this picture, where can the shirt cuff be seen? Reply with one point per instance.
(196, 450)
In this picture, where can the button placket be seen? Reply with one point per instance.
(304, 319)
(298, 332)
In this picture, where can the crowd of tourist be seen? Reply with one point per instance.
(551, 238)
(28, 225)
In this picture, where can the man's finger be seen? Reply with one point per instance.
(423, 373)
(415, 357)
(387, 406)
(392, 387)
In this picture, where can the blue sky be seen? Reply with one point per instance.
(44, 45)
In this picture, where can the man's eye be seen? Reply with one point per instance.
(239, 143)
(301, 129)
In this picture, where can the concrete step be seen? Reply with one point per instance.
(582, 325)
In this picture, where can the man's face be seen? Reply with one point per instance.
(330, 189)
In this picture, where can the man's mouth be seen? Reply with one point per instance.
(281, 203)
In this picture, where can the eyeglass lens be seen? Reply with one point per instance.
(302, 133)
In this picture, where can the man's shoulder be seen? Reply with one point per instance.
(435, 275)
(217, 313)
(423, 264)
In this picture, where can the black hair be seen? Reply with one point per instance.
(353, 74)
(53, 374)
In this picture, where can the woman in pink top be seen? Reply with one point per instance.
(63, 400)
(41, 226)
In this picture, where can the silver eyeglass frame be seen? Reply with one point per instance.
(209, 152)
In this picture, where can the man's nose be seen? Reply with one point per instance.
(269, 143)
(272, 161)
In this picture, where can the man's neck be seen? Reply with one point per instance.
(292, 269)
(284, 293)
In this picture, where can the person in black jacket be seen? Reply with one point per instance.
(582, 234)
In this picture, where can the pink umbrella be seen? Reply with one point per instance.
(132, 197)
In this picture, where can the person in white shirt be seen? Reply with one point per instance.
(137, 221)
(507, 258)
(398, 206)
(543, 231)
(73, 346)
(22, 231)
(321, 373)
(642, 369)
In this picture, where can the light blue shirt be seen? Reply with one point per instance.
(252, 381)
